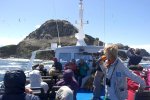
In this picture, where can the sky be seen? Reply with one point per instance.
(112, 21)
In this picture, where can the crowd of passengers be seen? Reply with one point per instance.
(109, 71)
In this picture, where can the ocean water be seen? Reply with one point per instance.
(12, 64)
(17, 63)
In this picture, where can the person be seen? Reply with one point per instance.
(97, 86)
(64, 93)
(71, 65)
(36, 80)
(14, 87)
(70, 81)
(133, 86)
(134, 57)
(83, 69)
(41, 68)
(116, 74)
(57, 65)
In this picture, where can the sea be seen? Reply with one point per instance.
(13, 64)
(19, 63)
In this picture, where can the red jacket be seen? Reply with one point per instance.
(132, 86)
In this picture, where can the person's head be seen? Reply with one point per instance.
(41, 67)
(111, 52)
(14, 82)
(132, 50)
(64, 93)
(68, 74)
(81, 61)
(137, 51)
(52, 71)
(73, 60)
(55, 59)
(35, 78)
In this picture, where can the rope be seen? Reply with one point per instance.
(104, 26)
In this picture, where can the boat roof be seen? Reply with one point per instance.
(79, 49)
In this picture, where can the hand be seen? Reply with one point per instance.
(141, 89)
(101, 62)
(28, 90)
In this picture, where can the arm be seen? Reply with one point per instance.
(103, 68)
(130, 52)
(133, 76)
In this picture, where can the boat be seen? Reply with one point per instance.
(66, 53)
(79, 51)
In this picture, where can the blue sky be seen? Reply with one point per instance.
(126, 21)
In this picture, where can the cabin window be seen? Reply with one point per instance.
(65, 57)
(78, 56)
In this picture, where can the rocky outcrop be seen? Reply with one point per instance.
(8, 51)
(42, 37)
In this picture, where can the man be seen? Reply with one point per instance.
(57, 65)
(97, 86)
(134, 57)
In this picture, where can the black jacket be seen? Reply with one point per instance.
(14, 87)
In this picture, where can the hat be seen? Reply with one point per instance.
(14, 81)
(35, 78)
(68, 73)
(64, 93)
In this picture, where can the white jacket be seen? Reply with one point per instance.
(118, 78)
(36, 81)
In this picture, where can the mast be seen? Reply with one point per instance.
(80, 35)
(81, 14)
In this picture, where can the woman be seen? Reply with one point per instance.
(116, 75)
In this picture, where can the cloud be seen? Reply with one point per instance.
(146, 47)
(9, 41)
(37, 26)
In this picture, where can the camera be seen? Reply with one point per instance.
(108, 82)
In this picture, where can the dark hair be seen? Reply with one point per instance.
(136, 68)
(137, 51)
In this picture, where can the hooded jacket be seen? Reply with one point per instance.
(14, 82)
(36, 81)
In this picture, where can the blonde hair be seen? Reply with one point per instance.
(112, 50)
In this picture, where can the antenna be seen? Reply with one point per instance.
(81, 15)
(80, 35)
(57, 28)
(58, 33)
